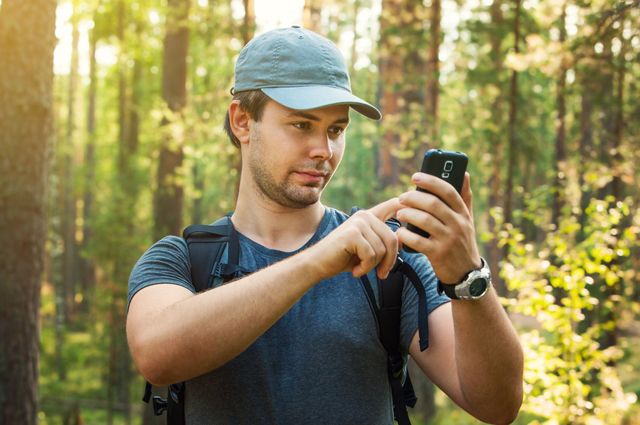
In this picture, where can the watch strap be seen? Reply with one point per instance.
(451, 290)
(448, 290)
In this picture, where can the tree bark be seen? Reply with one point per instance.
(560, 151)
(354, 41)
(433, 74)
(312, 14)
(402, 97)
(168, 198)
(88, 267)
(249, 21)
(513, 116)
(496, 147)
(26, 118)
(69, 209)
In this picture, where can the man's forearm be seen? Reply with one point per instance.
(489, 358)
(225, 320)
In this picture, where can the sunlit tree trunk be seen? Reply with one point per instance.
(433, 74)
(26, 118)
(560, 149)
(390, 74)
(168, 198)
(87, 262)
(513, 116)
(124, 197)
(249, 21)
(354, 42)
(402, 72)
(496, 149)
(312, 14)
(585, 149)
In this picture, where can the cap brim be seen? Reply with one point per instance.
(312, 97)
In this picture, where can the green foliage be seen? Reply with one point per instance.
(570, 371)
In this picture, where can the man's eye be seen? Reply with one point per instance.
(302, 125)
(336, 131)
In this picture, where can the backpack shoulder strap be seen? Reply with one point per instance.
(387, 310)
(207, 244)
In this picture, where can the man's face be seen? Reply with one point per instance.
(293, 154)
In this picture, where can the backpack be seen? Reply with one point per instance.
(208, 245)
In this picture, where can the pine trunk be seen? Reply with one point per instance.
(26, 119)
(69, 210)
(496, 147)
(88, 266)
(433, 74)
(513, 116)
(168, 198)
(311, 15)
(561, 152)
(402, 93)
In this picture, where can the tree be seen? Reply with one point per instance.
(168, 197)
(26, 105)
(402, 95)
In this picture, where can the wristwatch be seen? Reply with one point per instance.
(474, 286)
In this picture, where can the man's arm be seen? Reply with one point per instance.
(474, 354)
(475, 357)
(175, 335)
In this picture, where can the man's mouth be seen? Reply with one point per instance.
(311, 176)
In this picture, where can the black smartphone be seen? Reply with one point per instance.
(447, 165)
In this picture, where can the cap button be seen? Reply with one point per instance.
(295, 26)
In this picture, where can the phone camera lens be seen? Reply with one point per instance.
(448, 165)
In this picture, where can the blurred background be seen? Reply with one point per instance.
(111, 137)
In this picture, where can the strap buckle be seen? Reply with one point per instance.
(159, 405)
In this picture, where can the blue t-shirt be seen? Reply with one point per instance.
(321, 363)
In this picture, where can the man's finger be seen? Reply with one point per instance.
(467, 196)
(386, 209)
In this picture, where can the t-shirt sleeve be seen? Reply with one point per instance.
(167, 261)
(409, 315)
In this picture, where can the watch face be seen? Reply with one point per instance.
(478, 287)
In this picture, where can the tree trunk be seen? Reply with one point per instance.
(26, 118)
(561, 152)
(402, 76)
(433, 75)
(88, 267)
(585, 150)
(354, 51)
(513, 116)
(496, 147)
(69, 210)
(125, 192)
(249, 21)
(312, 14)
(168, 197)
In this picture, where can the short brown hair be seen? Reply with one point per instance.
(253, 103)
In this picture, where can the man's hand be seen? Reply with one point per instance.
(361, 243)
(447, 216)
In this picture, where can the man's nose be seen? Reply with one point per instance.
(321, 147)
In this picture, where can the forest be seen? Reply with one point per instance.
(111, 137)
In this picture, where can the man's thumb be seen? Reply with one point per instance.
(386, 209)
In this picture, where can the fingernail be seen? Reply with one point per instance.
(416, 177)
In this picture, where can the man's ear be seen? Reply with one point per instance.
(239, 121)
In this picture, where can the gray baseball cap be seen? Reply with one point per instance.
(298, 69)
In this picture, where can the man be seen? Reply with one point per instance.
(296, 341)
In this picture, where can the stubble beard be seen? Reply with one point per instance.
(285, 193)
